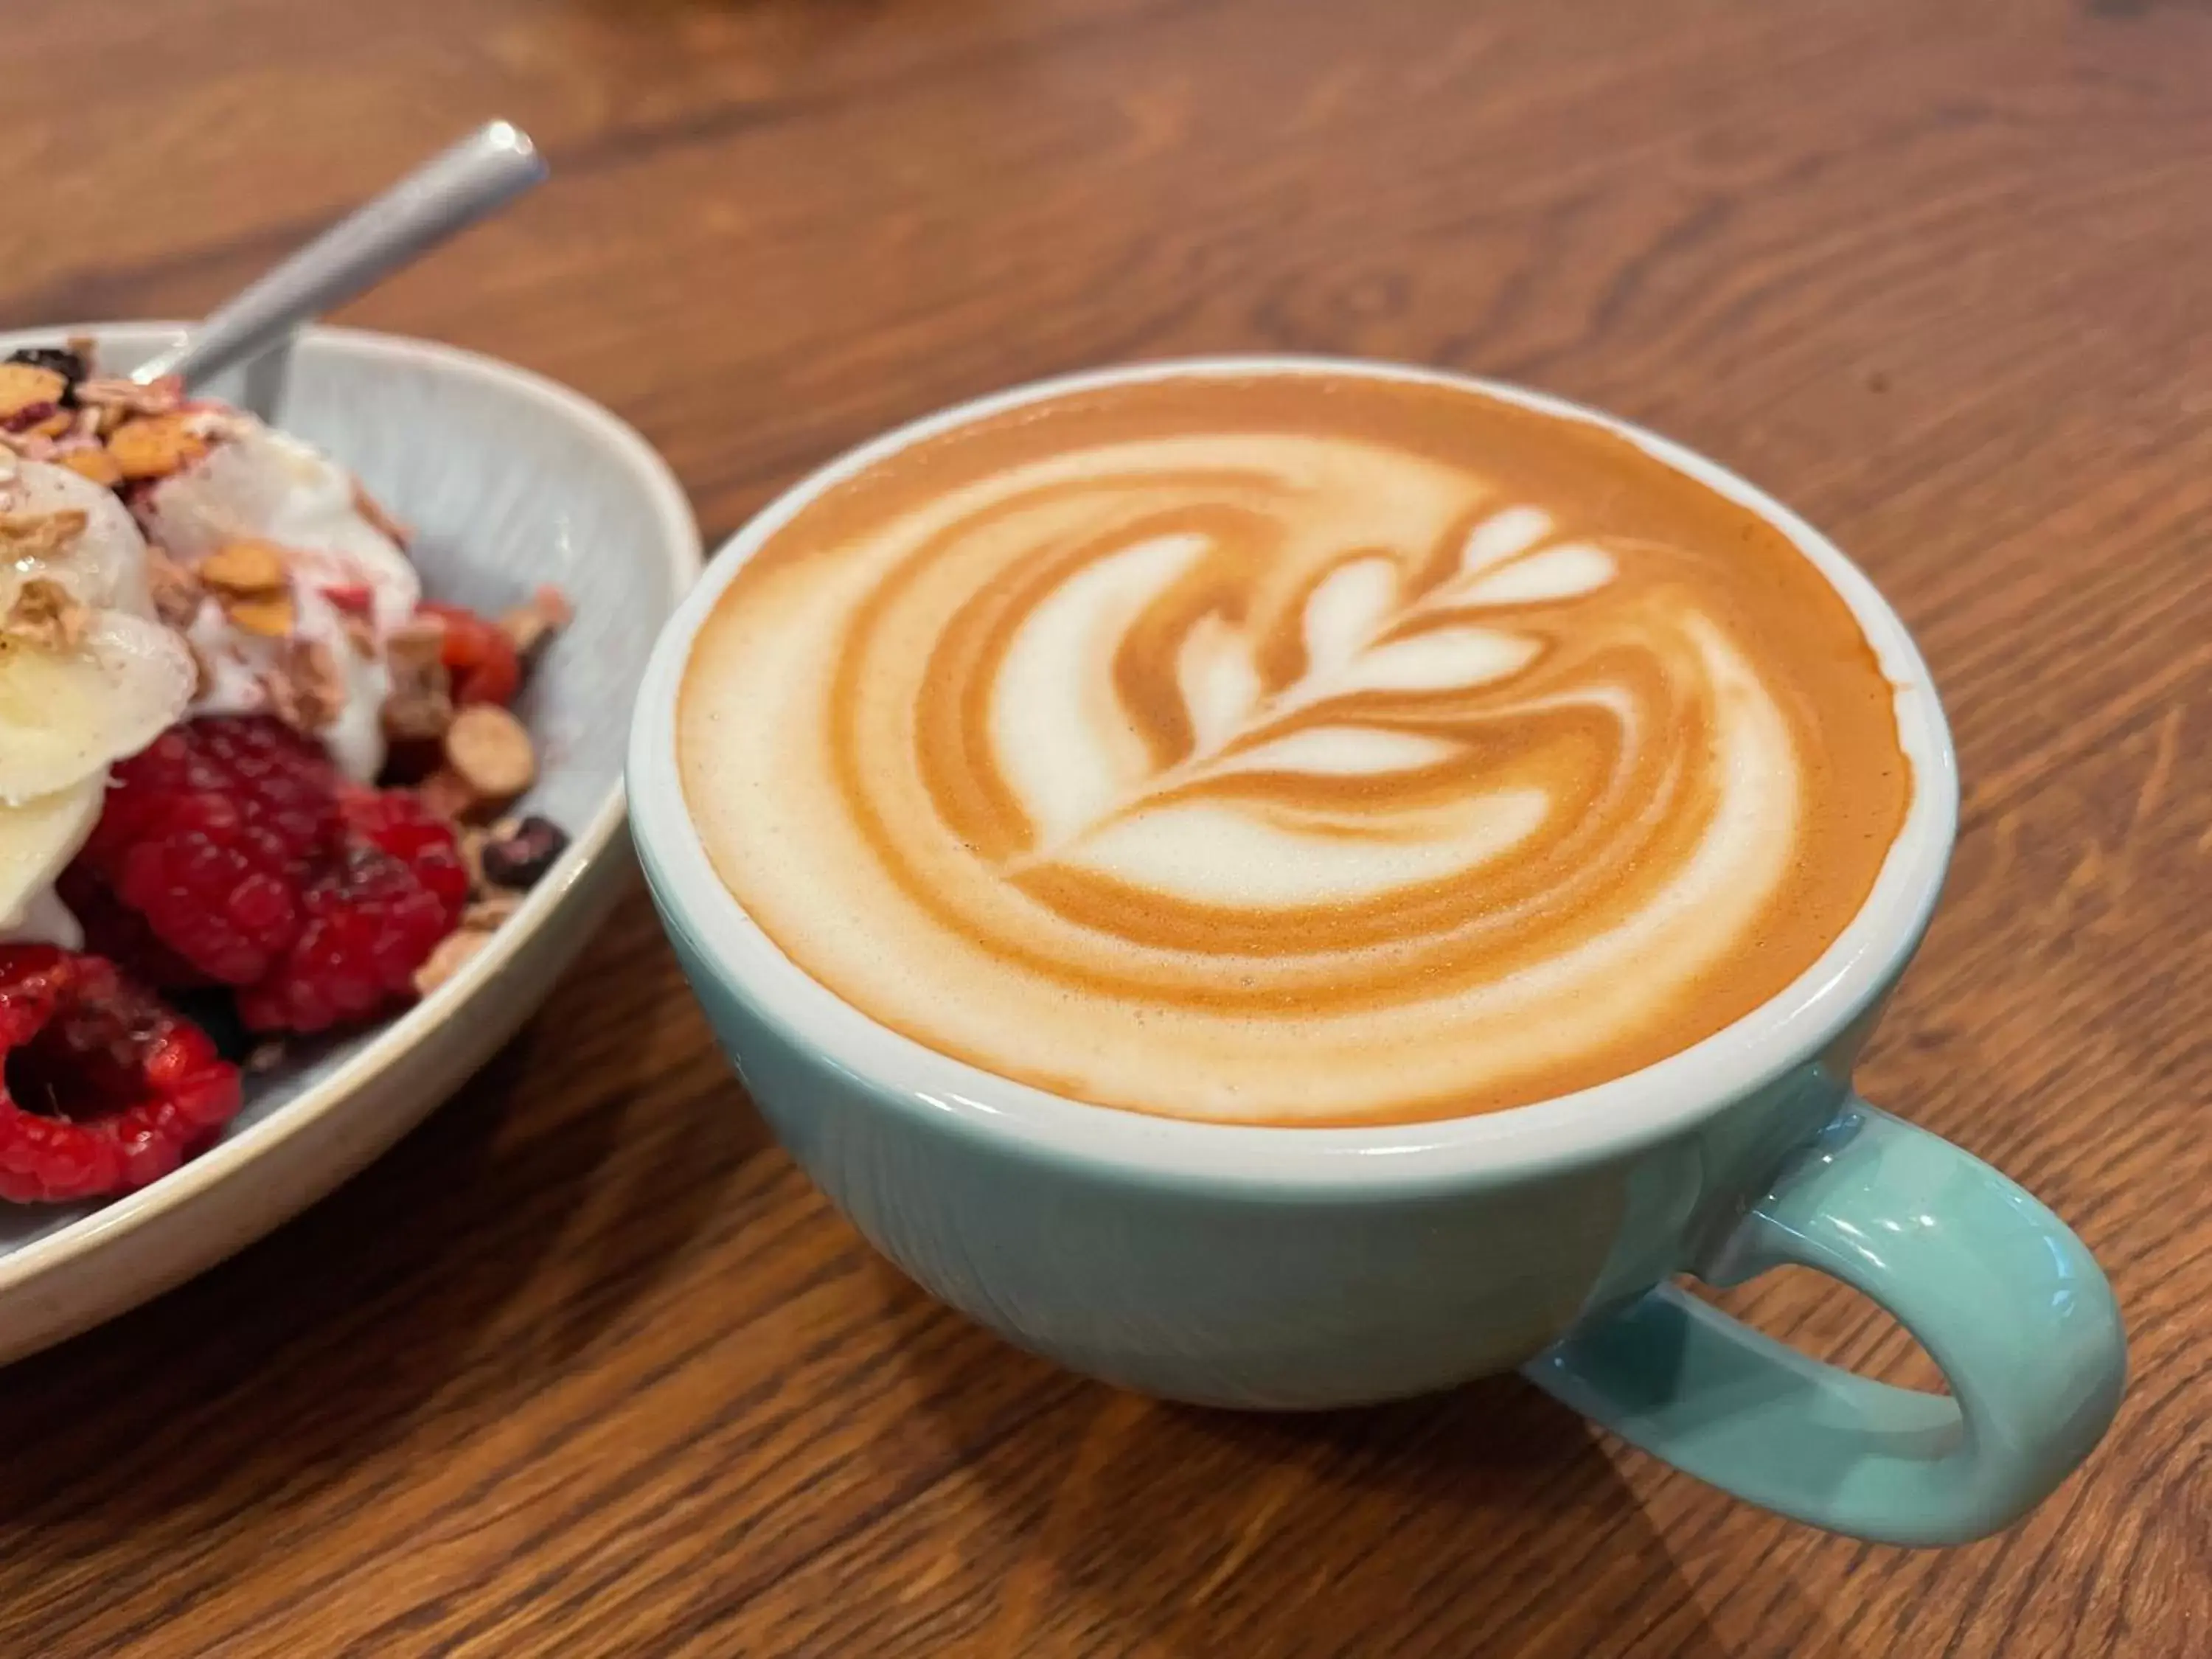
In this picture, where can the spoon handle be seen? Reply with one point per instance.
(451, 191)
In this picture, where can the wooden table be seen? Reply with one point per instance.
(585, 1367)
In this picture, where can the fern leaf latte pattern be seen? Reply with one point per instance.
(1291, 748)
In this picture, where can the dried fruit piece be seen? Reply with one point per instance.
(479, 656)
(490, 752)
(47, 421)
(530, 625)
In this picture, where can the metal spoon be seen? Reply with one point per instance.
(486, 170)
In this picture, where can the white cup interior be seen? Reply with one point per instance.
(1627, 1110)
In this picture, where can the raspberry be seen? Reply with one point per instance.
(104, 1089)
(230, 851)
(370, 924)
(207, 834)
(113, 929)
(397, 822)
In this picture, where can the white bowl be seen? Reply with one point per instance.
(508, 481)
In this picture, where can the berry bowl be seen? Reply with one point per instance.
(512, 485)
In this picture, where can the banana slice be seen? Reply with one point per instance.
(105, 570)
(64, 715)
(36, 841)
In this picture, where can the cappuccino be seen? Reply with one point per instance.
(1295, 748)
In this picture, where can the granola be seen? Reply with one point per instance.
(47, 616)
(274, 602)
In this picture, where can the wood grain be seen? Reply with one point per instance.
(586, 1368)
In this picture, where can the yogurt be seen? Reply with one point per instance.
(350, 585)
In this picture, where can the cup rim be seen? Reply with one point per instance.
(1608, 1119)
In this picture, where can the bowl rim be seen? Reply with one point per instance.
(678, 543)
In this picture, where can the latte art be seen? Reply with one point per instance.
(1296, 748)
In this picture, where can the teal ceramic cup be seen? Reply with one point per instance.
(1284, 1267)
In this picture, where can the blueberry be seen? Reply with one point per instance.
(67, 364)
(517, 859)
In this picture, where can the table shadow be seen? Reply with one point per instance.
(408, 1292)
(1487, 1519)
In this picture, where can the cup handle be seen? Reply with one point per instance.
(2006, 1300)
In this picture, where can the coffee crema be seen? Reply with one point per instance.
(1305, 748)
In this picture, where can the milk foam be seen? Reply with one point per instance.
(1311, 753)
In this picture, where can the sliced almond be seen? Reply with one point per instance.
(495, 908)
(271, 617)
(452, 955)
(491, 751)
(245, 569)
(26, 386)
(96, 464)
(473, 837)
(155, 445)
